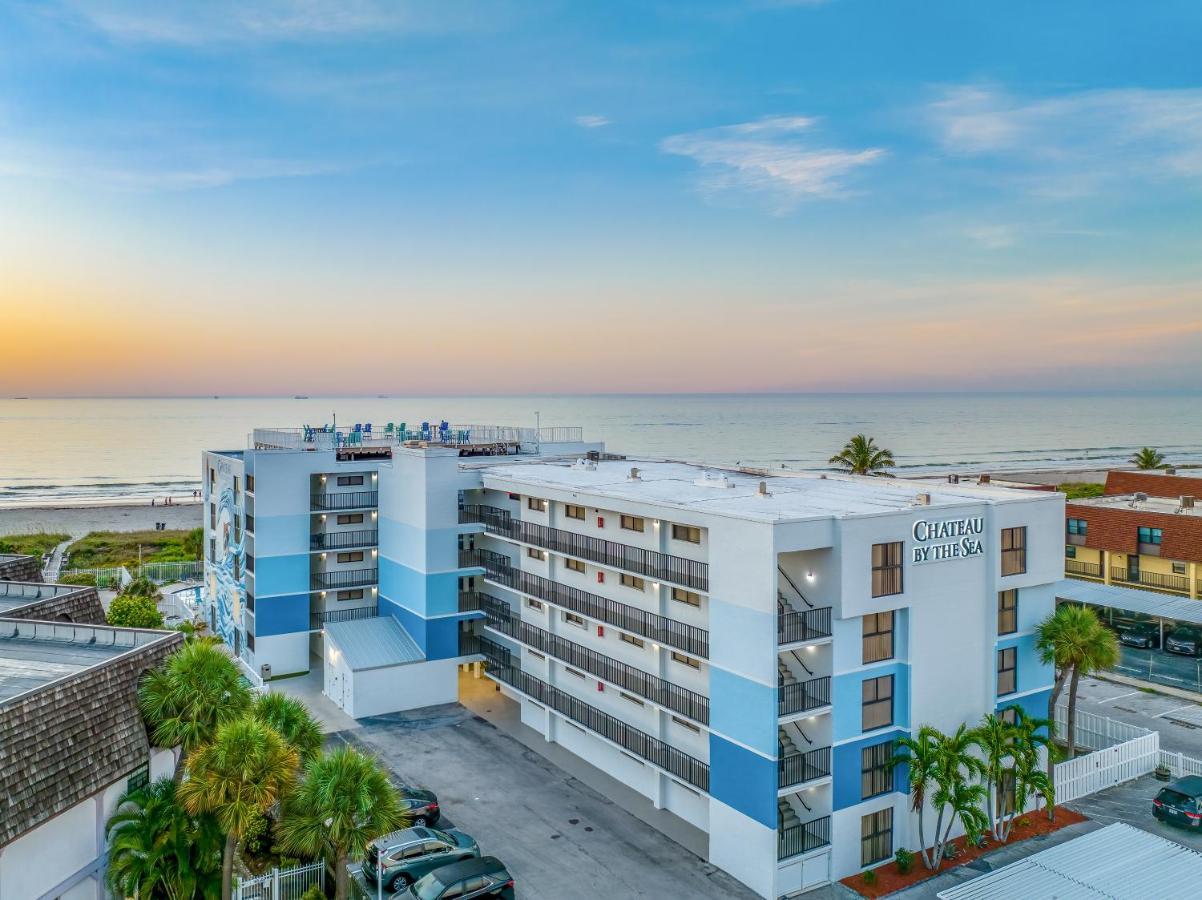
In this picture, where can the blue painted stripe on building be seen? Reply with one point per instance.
(281, 574)
(1032, 673)
(423, 549)
(1034, 705)
(281, 615)
(847, 767)
(743, 780)
(744, 710)
(848, 699)
(282, 535)
(425, 594)
(748, 642)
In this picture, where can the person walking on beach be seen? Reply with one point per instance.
(152, 501)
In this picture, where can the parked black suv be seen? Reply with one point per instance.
(1180, 803)
(420, 806)
(1184, 639)
(483, 877)
(1140, 634)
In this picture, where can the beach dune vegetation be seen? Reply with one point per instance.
(112, 549)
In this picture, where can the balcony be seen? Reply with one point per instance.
(794, 627)
(639, 743)
(686, 638)
(803, 696)
(665, 567)
(346, 578)
(318, 618)
(803, 837)
(341, 500)
(1086, 569)
(664, 693)
(1176, 583)
(794, 769)
(342, 540)
(469, 601)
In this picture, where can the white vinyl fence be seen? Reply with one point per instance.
(1179, 764)
(286, 884)
(1120, 752)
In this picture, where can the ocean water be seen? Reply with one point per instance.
(91, 449)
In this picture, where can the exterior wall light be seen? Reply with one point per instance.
(810, 575)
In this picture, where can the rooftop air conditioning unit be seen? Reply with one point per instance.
(1140, 497)
(634, 474)
(1187, 502)
(714, 479)
(922, 500)
(953, 479)
(984, 479)
(762, 490)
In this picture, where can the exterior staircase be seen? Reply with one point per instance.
(787, 747)
(785, 677)
(785, 816)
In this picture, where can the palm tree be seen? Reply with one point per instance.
(921, 754)
(244, 772)
(956, 763)
(1148, 458)
(190, 696)
(343, 802)
(861, 456)
(156, 848)
(292, 721)
(999, 747)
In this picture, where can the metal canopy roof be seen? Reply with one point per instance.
(374, 643)
(1118, 862)
(1165, 606)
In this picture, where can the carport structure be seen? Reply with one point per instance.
(1118, 862)
(1110, 598)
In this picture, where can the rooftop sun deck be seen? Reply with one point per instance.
(362, 439)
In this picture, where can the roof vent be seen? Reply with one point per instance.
(1139, 497)
(953, 478)
(586, 464)
(1187, 502)
(634, 474)
(714, 480)
(984, 479)
(762, 490)
(922, 500)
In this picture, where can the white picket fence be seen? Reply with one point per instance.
(1180, 764)
(1096, 732)
(286, 884)
(1075, 778)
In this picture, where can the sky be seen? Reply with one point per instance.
(439, 196)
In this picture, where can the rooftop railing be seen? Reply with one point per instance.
(390, 434)
(803, 837)
(664, 566)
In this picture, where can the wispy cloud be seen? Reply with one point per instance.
(592, 121)
(773, 159)
(1075, 143)
(992, 237)
(221, 21)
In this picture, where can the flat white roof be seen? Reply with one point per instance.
(1164, 505)
(712, 490)
(1118, 862)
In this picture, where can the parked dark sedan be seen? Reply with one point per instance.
(1140, 634)
(420, 806)
(1180, 803)
(483, 877)
(1185, 640)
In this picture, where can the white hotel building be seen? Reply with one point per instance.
(740, 647)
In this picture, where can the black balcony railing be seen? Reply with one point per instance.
(317, 618)
(796, 698)
(1158, 580)
(803, 837)
(347, 578)
(345, 500)
(798, 768)
(339, 540)
(469, 643)
(469, 601)
(676, 569)
(686, 638)
(657, 690)
(807, 625)
(1074, 567)
(655, 751)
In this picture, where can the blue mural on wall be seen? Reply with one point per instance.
(226, 587)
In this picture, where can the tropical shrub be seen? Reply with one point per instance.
(905, 860)
(134, 611)
(84, 579)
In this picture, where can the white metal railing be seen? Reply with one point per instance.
(329, 438)
(286, 884)
(181, 570)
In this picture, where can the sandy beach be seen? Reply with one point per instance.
(79, 519)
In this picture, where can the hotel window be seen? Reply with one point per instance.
(686, 533)
(886, 569)
(355, 594)
(574, 512)
(1178, 568)
(685, 660)
(1014, 550)
(1007, 663)
(1009, 715)
(538, 504)
(351, 556)
(250, 642)
(876, 836)
(213, 549)
(1007, 612)
(574, 564)
(1149, 535)
(877, 703)
(250, 523)
(876, 770)
(250, 601)
(237, 528)
(572, 671)
(1070, 551)
(696, 729)
(237, 487)
(250, 484)
(535, 553)
(631, 698)
(534, 604)
(350, 519)
(212, 477)
(878, 637)
(633, 581)
(213, 516)
(1077, 526)
(573, 619)
(633, 523)
(1008, 787)
(680, 595)
(631, 639)
(349, 480)
(515, 496)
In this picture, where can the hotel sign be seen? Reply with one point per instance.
(947, 539)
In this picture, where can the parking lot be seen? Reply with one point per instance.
(1178, 720)
(1131, 802)
(1161, 667)
(559, 837)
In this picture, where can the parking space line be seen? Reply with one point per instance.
(1175, 709)
(1119, 697)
